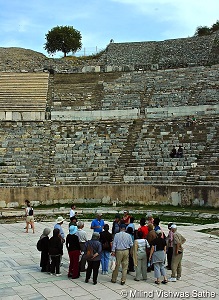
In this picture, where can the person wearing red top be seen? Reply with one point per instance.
(143, 228)
(126, 218)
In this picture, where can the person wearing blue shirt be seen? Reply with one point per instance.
(58, 225)
(98, 223)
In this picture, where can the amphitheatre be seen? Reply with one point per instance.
(101, 129)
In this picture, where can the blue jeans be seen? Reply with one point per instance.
(105, 255)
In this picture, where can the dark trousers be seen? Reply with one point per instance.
(93, 265)
(169, 256)
(45, 261)
(131, 267)
(55, 264)
(83, 260)
(73, 269)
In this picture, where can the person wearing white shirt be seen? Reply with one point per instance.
(72, 212)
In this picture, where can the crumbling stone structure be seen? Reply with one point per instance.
(104, 132)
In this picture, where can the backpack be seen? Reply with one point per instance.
(90, 251)
(39, 245)
(31, 211)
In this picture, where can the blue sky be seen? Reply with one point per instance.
(24, 23)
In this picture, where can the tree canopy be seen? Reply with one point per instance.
(205, 30)
(63, 38)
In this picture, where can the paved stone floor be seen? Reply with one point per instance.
(20, 276)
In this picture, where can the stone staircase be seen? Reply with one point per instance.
(207, 169)
(126, 158)
(23, 91)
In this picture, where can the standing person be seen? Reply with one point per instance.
(106, 241)
(140, 256)
(131, 224)
(26, 202)
(72, 212)
(176, 267)
(29, 217)
(157, 257)
(98, 223)
(150, 237)
(74, 249)
(169, 241)
(93, 261)
(44, 248)
(131, 267)
(157, 227)
(82, 236)
(58, 225)
(73, 221)
(143, 228)
(116, 225)
(126, 217)
(121, 244)
(151, 234)
(150, 219)
(55, 252)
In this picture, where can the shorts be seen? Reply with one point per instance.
(30, 219)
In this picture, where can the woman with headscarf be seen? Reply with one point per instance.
(55, 252)
(44, 248)
(93, 246)
(74, 250)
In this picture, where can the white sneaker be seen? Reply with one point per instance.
(178, 278)
(59, 274)
(172, 279)
(52, 273)
(106, 273)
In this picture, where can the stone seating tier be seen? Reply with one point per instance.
(162, 88)
(23, 91)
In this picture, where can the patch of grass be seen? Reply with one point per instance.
(130, 206)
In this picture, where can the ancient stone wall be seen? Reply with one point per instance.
(121, 194)
(114, 153)
(175, 53)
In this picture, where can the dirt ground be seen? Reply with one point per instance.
(214, 232)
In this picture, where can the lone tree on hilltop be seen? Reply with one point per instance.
(63, 38)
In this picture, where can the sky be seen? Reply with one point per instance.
(25, 23)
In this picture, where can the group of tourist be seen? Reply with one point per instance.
(133, 250)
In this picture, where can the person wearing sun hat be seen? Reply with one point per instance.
(176, 266)
(58, 225)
